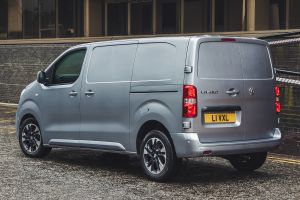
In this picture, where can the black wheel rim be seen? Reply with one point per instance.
(31, 138)
(154, 155)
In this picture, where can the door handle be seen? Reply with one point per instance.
(89, 93)
(232, 92)
(73, 93)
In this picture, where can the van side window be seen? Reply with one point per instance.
(155, 61)
(111, 63)
(68, 68)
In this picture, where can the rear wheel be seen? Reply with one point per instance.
(248, 162)
(158, 157)
(30, 139)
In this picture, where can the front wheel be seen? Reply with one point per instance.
(248, 162)
(30, 139)
(158, 157)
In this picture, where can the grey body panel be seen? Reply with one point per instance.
(105, 114)
(156, 88)
(150, 88)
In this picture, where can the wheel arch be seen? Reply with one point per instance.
(148, 126)
(26, 110)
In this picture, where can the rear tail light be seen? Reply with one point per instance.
(277, 91)
(277, 107)
(277, 99)
(189, 101)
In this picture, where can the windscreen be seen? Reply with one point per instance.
(233, 60)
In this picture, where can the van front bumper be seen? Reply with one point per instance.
(189, 145)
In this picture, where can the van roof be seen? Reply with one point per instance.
(202, 38)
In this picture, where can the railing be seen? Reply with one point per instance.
(286, 72)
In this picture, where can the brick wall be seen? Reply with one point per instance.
(20, 63)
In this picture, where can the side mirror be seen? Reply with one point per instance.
(41, 77)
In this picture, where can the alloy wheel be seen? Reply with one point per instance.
(154, 155)
(31, 138)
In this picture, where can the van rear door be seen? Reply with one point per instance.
(259, 82)
(220, 87)
(235, 91)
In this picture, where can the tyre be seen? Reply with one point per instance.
(30, 139)
(248, 162)
(157, 156)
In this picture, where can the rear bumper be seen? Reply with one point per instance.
(188, 145)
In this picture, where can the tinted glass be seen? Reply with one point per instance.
(31, 18)
(200, 10)
(3, 19)
(47, 12)
(111, 63)
(294, 14)
(68, 68)
(167, 16)
(256, 61)
(70, 18)
(141, 18)
(117, 18)
(233, 61)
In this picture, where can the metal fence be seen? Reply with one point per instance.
(286, 58)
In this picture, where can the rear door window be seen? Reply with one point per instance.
(221, 60)
(255, 61)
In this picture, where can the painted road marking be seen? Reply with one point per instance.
(284, 160)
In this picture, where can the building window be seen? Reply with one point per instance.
(117, 18)
(294, 14)
(70, 18)
(270, 14)
(228, 15)
(168, 16)
(30, 19)
(3, 19)
(41, 18)
(141, 17)
(47, 19)
(197, 16)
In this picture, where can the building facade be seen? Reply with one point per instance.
(30, 32)
(30, 19)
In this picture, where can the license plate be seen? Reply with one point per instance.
(219, 118)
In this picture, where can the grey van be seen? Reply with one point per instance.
(162, 99)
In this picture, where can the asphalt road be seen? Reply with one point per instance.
(78, 174)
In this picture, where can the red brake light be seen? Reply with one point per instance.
(228, 40)
(277, 99)
(277, 91)
(277, 106)
(189, 101)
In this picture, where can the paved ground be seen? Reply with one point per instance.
(74, 174)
